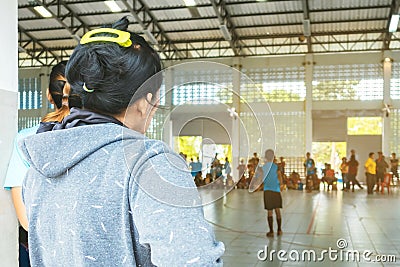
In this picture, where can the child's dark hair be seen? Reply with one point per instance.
(269, 154)
(108, 75)
(61, 94)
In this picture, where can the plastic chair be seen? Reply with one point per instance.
(386, 182)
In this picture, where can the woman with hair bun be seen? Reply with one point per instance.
(99, 193)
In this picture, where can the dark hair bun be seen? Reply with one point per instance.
(115, 73)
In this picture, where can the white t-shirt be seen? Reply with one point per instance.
(18, 165)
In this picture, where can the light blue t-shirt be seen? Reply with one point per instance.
(271, 181)
(18, 165)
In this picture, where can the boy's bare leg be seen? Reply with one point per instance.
(270, 224)
(279, 220)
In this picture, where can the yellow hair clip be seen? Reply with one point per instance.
(123, 38)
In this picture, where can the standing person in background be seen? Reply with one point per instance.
(227, 167)
(241, 181)
(272, 195)
(282, 165)
(241, 168)
(198, 166)
(255, 160)
(99, 192)
(381, 168)
(192, 168)
(344, 168)
(394, 165)
(352, 174)
(310, 171)
(370, 172)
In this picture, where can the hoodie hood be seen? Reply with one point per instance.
(53, 153)
(77, 117)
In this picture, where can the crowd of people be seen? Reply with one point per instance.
(218, 174)
(329, 178)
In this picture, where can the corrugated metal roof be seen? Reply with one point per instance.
(104, 19)
(91, 7)
(195, 35)
(55, 34)
(381, 13)
(396, 44)
(39, 24)
(172, 14)
(258, 28)
(265, 7)
(347, 26)
(61, 43)
(276, 30)
(206, 11)
(191, 25)
(268, 20)
(346, 4)
(25, 13)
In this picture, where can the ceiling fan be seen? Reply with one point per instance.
(386, 109)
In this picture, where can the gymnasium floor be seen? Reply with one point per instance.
(367, 225)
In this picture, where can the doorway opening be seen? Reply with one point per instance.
(328, 152)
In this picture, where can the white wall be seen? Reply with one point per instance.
(206, 128)
(363, 145)
(8, 111)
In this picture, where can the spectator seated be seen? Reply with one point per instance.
(329, 178)
(242, 184)
(293, 181)
(198, 179)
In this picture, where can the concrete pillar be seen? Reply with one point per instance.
(386, 131)
(309, 63)
(8, 111)
(235, 136)
(44, 83)
(167, 127)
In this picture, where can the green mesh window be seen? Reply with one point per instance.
(29, 102)
(348, 82)
(29, 93)
(27, 121)
(289, 132)
(155, 130)
(202, 87)
(395, 81)
(395, 126)
(273, 84)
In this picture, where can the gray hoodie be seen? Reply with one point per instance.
(104, 195)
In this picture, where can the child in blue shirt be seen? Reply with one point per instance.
(272, 192)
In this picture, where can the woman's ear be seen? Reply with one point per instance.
(149, 97)
(49, 97)
(143, 105)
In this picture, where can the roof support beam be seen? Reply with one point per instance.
(306, 16)
(60, 19)
(37, 42)
(145, 18)
(226, 23)
(394, 9)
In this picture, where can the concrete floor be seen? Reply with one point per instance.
(311, 221)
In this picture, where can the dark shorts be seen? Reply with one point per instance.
(379, 177)
(272, 200)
